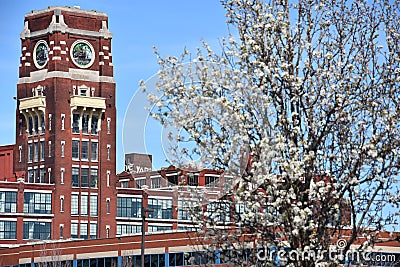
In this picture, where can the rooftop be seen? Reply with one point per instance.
(76, 9)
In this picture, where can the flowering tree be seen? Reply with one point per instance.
(51, 256)
(310, 91)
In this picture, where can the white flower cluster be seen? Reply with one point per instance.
(303, 106)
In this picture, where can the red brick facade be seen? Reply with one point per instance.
(6, 162)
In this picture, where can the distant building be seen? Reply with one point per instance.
(138, 163)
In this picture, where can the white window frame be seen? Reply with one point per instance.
(62, 171)
(62, 149)
(62, 122)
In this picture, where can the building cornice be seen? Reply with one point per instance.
(73, 74)
(61, 26)
(74, 9)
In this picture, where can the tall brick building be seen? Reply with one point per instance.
(65, 125)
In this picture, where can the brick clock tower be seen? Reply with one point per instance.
(66, 124)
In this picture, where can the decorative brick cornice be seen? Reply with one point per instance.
(73, 74)
(61, 26)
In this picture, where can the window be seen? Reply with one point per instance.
(108, 125)
(219, 211)
(155, 182)
(8, 230)
(212, 181)
(187, 209)
(173, 179)
(124, 183)
(61, 203)
(42, 123)
(83, 91)
(159, 228)
(61, 231)
(84, 177)
(42, 174)
(108, 206)
(74, 205)
(75, 149)
(75, 123)
(35, 175)
(49, 172)
(8, 202)
(36, 121)
(35, 151)
(140, 182)
(93, 205)
(62, 148)
(93, 230)
(50, 122)
(94, 124)
(193, 179)
(84, 205)
(30, 152)
(108, 178)
(85, 123)
(126, 229)
(62, 170)
(83, 232)
(107, 231)
(74, 230)
(62, 121)
(37, 203)
(129, 207)
(162, 208)
(20, 153)
(75, 177)
(49, 149)
(108, 152)
(20, 126)
(241, 211)
(93, 178)
(37, 230)
(85, 150)
(30, 122)
(94, 151)
(31, 179)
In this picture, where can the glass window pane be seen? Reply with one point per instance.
(94, 151)
(95, 120)
(84, 177)
(74, 204)
(84, 204)
(85, 150)
(75, 123)
(75, 177)
(93, 178)
(85, 123)
(75, 149)
(93, 205)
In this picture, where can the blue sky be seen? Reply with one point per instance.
(137, 26)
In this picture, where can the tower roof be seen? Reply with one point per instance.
(75, 9)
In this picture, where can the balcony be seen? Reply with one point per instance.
(88, 102)
(32, 103)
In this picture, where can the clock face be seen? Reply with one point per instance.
(41, 54)
(82, 54)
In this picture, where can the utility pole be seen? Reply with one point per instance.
(144, 210)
